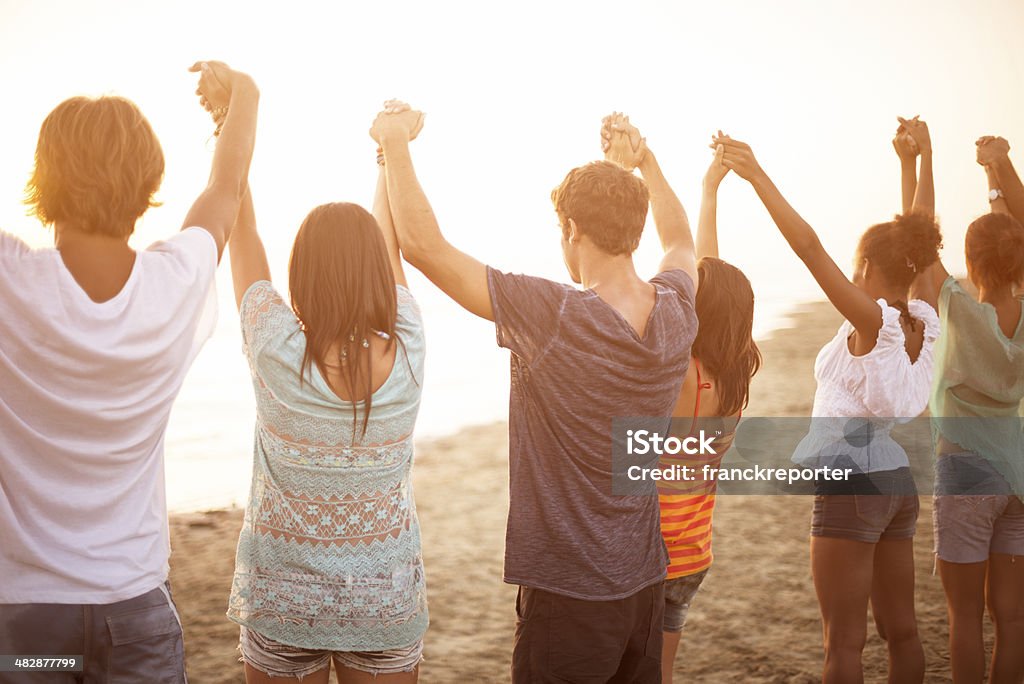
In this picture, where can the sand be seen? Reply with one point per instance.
(754, 620)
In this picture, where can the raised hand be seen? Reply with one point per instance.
(992, 149)
(717, 170)
(918, 131)
(738, 157)
(904, 143)
(398, 119)
(621, 141)
(216, 80)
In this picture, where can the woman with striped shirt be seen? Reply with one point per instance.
(715, 390)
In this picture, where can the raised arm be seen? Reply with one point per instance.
(232, 97)
(382, 212)
(852, 302)
(924, 196)
(248, 256)
(707, 224)
(459, 275)
(928, 283)
(994, 155)
(906, 150)
(625, 146)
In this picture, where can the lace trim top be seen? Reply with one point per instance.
(883, 386)
(329, 552)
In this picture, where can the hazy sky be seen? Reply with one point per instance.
(514, 95)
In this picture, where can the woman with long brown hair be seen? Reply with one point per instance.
(329, 567)
(716, 389)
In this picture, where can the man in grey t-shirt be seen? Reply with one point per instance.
(590, 564)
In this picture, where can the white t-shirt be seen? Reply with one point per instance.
(86, 390)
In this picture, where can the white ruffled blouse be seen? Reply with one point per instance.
(883, 387)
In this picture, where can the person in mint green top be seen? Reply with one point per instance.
(329, 566)
(975, 405)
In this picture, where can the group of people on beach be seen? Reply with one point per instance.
(96, 338)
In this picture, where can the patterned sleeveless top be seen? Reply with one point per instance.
(329, 553)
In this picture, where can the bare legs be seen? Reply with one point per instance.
(847, 575)
(967, 585)
(669, 646)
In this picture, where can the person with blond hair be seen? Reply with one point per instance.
(95, 341)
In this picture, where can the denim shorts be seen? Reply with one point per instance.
(888, 512)
(976, 513)
(280, 660)
(135, 640)
(679, 593)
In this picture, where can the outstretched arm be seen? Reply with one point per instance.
(382, 212)
(924, 196)
(233, 96)
(624, 145)
(852, 302)
(707, 224)
(928, 283)
(994, 155)
(248, 256)
(906, 150)
(459, 275)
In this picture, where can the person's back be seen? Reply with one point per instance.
(87, 392)
(577, 363)
(95, 341)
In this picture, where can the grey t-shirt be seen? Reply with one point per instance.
(576, 365)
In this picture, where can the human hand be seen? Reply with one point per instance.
(991, 149)
(717, 170)
(904, 144)
(397, 119)
(217, 82)
(918, 131)
(738, 157)
(621, 141)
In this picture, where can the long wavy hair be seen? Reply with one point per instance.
(725, 343)
(343, 292)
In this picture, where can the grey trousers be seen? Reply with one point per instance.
(132, 641)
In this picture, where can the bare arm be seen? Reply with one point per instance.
(623, 144)
(669, 220)
(216, 209)
(852, 302)
(248, 256)
(382, 212)
(707, 224)
(1013, 190)
(459, 275)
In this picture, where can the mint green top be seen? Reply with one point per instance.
(329, 553)
(979, 383)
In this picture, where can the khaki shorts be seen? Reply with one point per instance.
(982, 518)
(136, 640)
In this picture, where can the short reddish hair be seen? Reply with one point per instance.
(608, 203)
(98, 164)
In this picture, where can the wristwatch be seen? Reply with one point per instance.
(994, 194)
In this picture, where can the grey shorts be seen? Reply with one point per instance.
(888, 512)
(280, 660)
(136, 640)
(679, 593)
(983, 516)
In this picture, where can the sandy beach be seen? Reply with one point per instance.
(754, 620)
